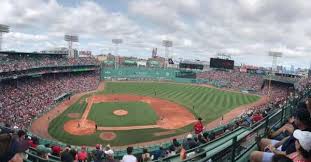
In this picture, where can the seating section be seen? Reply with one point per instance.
(16, 63)
(234, 79)
(23, 99)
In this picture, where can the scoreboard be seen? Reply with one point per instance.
(191, 66)
(221, 63)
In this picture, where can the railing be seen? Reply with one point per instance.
(239, 146)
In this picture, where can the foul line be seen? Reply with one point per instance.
(88, 108)
(127, 128)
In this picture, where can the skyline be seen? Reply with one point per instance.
(246, 29)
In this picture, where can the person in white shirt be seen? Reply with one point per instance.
(129, 157)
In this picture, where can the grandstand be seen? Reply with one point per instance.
(32, 84)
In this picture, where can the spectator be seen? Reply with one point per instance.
(146, 157)
(98, 153)
(5, 141)
(7, 129)
(308, 102)
(171, 151)
(109, 156)
(18, 145)
(183, 152)
(281, 158)
(108, 149)
(66, 156)
(44, 151)
(159, 154)
(189, 143)
(56, 150)
(202, 139)
(33, 142)
(198, 127)
(82, 155)
(257, 116)
(303, 146)
(285, 131)
(176, 145)
(129, 157)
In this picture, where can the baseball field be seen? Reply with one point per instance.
(126, 113)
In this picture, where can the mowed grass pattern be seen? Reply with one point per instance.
(139, 113)
(208, 103)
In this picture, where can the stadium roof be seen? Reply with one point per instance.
(30, 53)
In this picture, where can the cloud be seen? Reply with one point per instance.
(199, 29)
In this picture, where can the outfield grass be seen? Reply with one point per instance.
(204, 102)
(102, 114)
(209, 103)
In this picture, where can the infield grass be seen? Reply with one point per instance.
(102, 114)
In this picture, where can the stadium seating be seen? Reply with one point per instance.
(233, 141)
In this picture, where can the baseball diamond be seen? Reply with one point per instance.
(155, 81)
(173, 107)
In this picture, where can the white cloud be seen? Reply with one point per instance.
(247, 29)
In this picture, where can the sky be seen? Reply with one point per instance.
(199, 29)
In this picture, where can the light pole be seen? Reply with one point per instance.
(3, 29)
(275, 56)
(167, 44)
(70, 39)
(116, 42)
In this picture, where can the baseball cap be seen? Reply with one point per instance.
(109, 152)
(304, 138)
(189, 136)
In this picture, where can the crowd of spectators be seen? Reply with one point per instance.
(234, 79)
(303, 83)
(17, 62)
(243, 81)
(291, 142)
(23, 99)
(279, 92)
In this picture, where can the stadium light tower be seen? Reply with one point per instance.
(70, 39)
(167, 44)
(117, 43)
(3, 29)
(275, 56)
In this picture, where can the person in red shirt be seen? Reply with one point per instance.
(198, 127)
(56, 150)
(82, 155)
(257, 117)
(33, 142)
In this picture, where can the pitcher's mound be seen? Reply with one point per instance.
(74, 115)
(80, 127)
(107, 136)
(120, 112)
